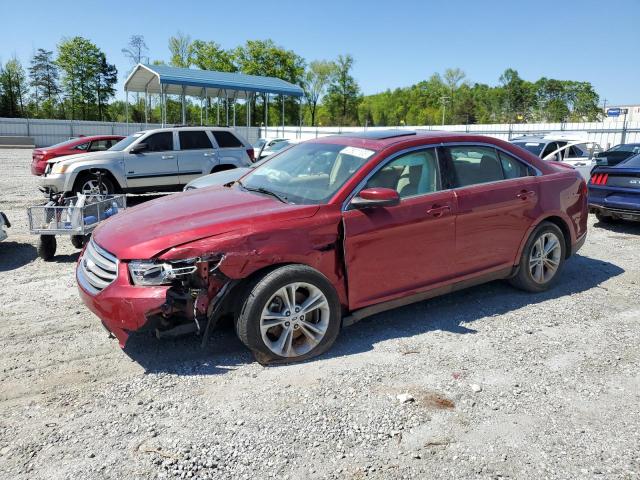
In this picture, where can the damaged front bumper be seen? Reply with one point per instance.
(166, 310)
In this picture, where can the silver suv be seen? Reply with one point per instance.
(164, 159)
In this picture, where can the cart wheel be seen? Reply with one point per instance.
(47, 247)
(78, 241)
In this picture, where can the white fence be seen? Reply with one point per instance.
(606, 133)
(49, 132)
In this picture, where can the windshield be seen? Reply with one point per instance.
(71, 141)
(633, 162)
(125, 142)
(628, 147)
(279, 146)
(308, 173)
(533, 147)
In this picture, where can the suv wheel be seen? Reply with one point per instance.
(87, 184)
(290, 314)
(542, 259)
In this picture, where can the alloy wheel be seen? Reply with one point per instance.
(544, 259)
(295, 319)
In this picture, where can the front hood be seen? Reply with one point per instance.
(147, 230)
(69, 159)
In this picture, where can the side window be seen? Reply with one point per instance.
(514, 168)
(159, 142)
(100, 145)
(194, 140)
(550, 148)
(474, 164)
(415, 173)
(226, 139)
(83, 147)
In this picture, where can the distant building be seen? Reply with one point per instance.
(633, 113)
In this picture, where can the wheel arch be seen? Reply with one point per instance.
(558, 221)
(80, 174)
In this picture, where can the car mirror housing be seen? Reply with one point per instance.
(376, 197)
(139, 148)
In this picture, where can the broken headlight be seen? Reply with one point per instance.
(150, 272)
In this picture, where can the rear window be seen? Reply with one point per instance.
(194, 140)
(226, 139)
(633, 162)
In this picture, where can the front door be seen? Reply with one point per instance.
(498, 200)
(394, 251)
(197, 156)
(154, 168)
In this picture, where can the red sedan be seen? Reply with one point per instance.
(331, 231)
(94, 143)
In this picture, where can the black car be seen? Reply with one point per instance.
(617, 154)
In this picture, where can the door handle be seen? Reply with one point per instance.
(210, 154)
(438, 211)
(524, 194)
(167, 157)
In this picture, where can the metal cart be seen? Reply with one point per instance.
(72, 219)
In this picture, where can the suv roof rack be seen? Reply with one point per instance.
(380, 134)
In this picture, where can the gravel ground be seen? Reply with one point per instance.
(494, 383)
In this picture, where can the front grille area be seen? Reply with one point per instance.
(97, 268)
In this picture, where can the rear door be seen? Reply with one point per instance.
(197, 155)
(394, 251)
(156, 167)
(231, 150)
(497, 197)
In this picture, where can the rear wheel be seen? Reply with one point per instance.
(47, 247)
(78, 241)
(542, 259)
(290, 314)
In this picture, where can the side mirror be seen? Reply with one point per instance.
(139, 148)
(376, 197)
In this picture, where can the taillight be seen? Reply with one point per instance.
(251, 154)
(599, 178)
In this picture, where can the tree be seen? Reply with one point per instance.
(210, 56)
(343, 94)
(80, 62)
(13, 85)
(519, 95)
(180, 48)
(136, 50)
(44, 76)
(104, 82)
(315, 82)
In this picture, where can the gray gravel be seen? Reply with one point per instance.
(498, 383)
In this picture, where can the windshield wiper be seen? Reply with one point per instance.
(263, 190)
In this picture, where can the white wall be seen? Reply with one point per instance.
(49, 132)
(606, 133)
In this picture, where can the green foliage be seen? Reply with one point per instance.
(343, 94)
(210, 56)
(180, 48)
(44, 80)
(13, 89)
(315, 82)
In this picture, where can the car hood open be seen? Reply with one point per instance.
(147, 230)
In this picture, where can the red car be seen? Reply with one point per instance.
(94, 143)
(331, 231)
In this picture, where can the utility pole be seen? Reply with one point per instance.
(443, 100)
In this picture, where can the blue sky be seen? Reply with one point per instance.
(394, 43)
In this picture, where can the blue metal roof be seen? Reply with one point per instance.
(149, 77)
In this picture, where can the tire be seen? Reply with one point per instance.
(87, 184)
(606, 218)
(78, 241)
(535, 272)
(47, 247)
(301, 338)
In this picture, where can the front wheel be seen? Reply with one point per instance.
(90, 185)
(290, 314)
(542, 259)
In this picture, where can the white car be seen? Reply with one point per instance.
(163, 159)
(563, 147)
(4, 223)
(268, 147)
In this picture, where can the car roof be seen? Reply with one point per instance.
(385, 138)
(184, 128)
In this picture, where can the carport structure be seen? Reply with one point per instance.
(164, 80)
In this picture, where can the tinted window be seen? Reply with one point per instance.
(513, 168)
(159, 142)
(125, 142)
(226, 139)
(474, 164)
(82, 146)
(194, 140)
(415, 173)
(550, 148)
